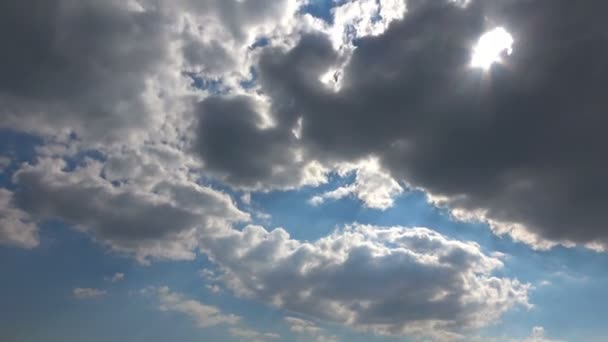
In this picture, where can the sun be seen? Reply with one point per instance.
(490, 48)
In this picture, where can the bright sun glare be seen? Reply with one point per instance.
(490, 48)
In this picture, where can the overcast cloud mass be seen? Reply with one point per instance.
(159, 131)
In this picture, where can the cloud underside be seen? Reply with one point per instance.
(519, 146)
(139, 106)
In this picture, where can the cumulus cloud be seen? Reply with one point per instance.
(88, 293)
(162, 223)
(373, 186)
(203, 315)
(516, 146)
(16, 226)
(391, 280)
(86, 67)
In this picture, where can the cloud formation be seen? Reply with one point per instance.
(203, 315)
(389, 280)
(515, 146)
(139, 106)
(88, 293)
(16, 226)
(161, 223)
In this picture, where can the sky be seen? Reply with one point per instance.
(303, 170)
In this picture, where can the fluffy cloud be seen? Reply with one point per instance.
(16, 226)
(203, 315)
(85, 67)
(387, 280)
(160, 223)
(373, 186)
(88, 293)
(517, 146)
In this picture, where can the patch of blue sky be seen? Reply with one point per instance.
(321, 9)
(19, 148)
(251, 81)
(38, 305)
(213, 85)
(260, 42)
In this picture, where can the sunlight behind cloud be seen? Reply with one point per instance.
(490, 47)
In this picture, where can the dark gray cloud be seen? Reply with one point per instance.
(82, 66)
(236, 148)
(521, 145)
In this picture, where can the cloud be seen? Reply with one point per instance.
(538, 335)
(160, 223)
(374, 187)
(515, 146)
(389, 280)
(90, 68)
(203, 315)
(238, 151)
(4, 163)
(302, 326)
(16, 226)
(252, 335)
(88, 293)
(116, 277)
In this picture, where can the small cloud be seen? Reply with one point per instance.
(253, 335)
(204, 315)
(246, 198)
(302, 326)
(118, 276)
(373, 186)
(214, 288)
(4, 163)
(88, 293)
(538, 335)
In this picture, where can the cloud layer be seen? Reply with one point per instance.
(144, 109)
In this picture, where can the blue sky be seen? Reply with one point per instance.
(303, 170)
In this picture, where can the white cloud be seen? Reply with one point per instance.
(429, 283)
(203, 315)
(372, 185)
(538, 335)
(16, 226)
(252, 335)
(153, 219)
(302, 326)
(118, 276)
(88, 293)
